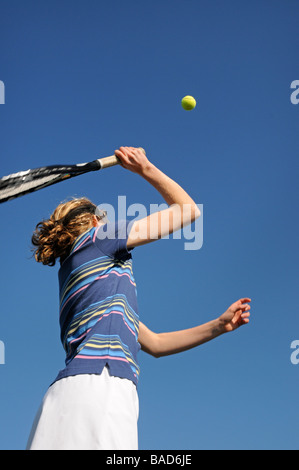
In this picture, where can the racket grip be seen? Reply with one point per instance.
(106, 162)
(113, 160)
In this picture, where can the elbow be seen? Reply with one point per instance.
(150, 344)
(153, 353)
(190, 213)
(196, 212)
(156, 354)
(156, 348)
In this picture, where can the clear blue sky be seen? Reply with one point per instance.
(83, 78)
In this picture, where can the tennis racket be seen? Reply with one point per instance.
(24, 182)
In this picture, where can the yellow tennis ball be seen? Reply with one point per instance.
(188, 103)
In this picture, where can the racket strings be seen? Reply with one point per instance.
(19, 184)
(11, 190)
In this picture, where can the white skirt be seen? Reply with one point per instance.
(87, 412)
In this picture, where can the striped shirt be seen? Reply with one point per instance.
(98, 305)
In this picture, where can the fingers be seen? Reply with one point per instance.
(241, 311)
(245, 318)
(126, 151)
(241, 304)
(245, 307)
(124, 154)
(245, 299)
(238, 306)
(133, 159)
(120, 154)
(243, 315)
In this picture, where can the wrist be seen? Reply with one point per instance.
(148, 170)
(219, 327)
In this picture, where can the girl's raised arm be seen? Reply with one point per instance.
(182, 209)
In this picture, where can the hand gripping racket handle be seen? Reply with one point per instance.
(113, 160)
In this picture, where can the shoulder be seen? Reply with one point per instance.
(111, 238)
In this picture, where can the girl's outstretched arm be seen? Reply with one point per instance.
(165, 344)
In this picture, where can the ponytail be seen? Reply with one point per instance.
(53, 238)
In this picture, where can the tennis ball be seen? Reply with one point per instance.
(188, 103)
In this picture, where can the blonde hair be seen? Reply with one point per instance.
(53, 238)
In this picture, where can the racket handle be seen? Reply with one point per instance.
(106, 162)
(113, 160)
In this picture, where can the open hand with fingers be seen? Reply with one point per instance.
(236, 315)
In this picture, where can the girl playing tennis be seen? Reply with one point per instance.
(93, 404)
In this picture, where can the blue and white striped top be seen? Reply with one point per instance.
(98, 305)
